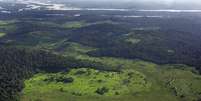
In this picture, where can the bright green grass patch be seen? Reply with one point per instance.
(88, 81)
(64, 47)
(147, 81)
(179, 80)
(68, 25)
(118, 63)
(79, 48)
(48, 24)
(133, 40)
(6, 22)
(102, 22)
(63, 96)
(51, 45)
(39, 33)
(73, 24)
(85, 85)
(184, 83)
(76, 48)
(3, 23)
(2, 34)
(150, 82)
(8, 26)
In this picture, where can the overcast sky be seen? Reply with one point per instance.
(169, 1)
(191, 3)
(156, 1)
(149, 1)
(176, 3)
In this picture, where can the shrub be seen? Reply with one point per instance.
(59, 79)
(77, 93)
(61, 89)
(102, 91)
(80, 72)
(65, 79)
(116, 93)
(38, 100)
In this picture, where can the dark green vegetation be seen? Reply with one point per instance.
(99, 58)
(154, 39)
(20, 64)
(17, 65)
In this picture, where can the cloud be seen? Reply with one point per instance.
(159, 1)
(166, 2)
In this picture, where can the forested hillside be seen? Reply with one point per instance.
(18, 64)
(98, 55)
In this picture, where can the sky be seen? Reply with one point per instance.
(156, 1)
(168, 1)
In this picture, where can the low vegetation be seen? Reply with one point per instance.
(137, 79)
(83, 81)
(2, 34)
(75, 24)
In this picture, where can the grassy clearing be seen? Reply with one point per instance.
(132, 40)
(3, 23)
(7, 22)
(8, 25)
(8, 28)
(177, 80)
(152, 81)
(88, 81)
(48, 24)
(65, 47)
(67, 25)
(149, 81)
(128, 85)
(184, 83)
(73, 24)
(2, 34)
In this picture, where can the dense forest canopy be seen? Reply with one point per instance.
(58, 52)
(19, 64)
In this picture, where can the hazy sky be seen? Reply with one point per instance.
(170, 1)
(156, 1)
(166, 2)
(127, 0)
(148, 1)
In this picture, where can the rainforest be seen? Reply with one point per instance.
(93, 51)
